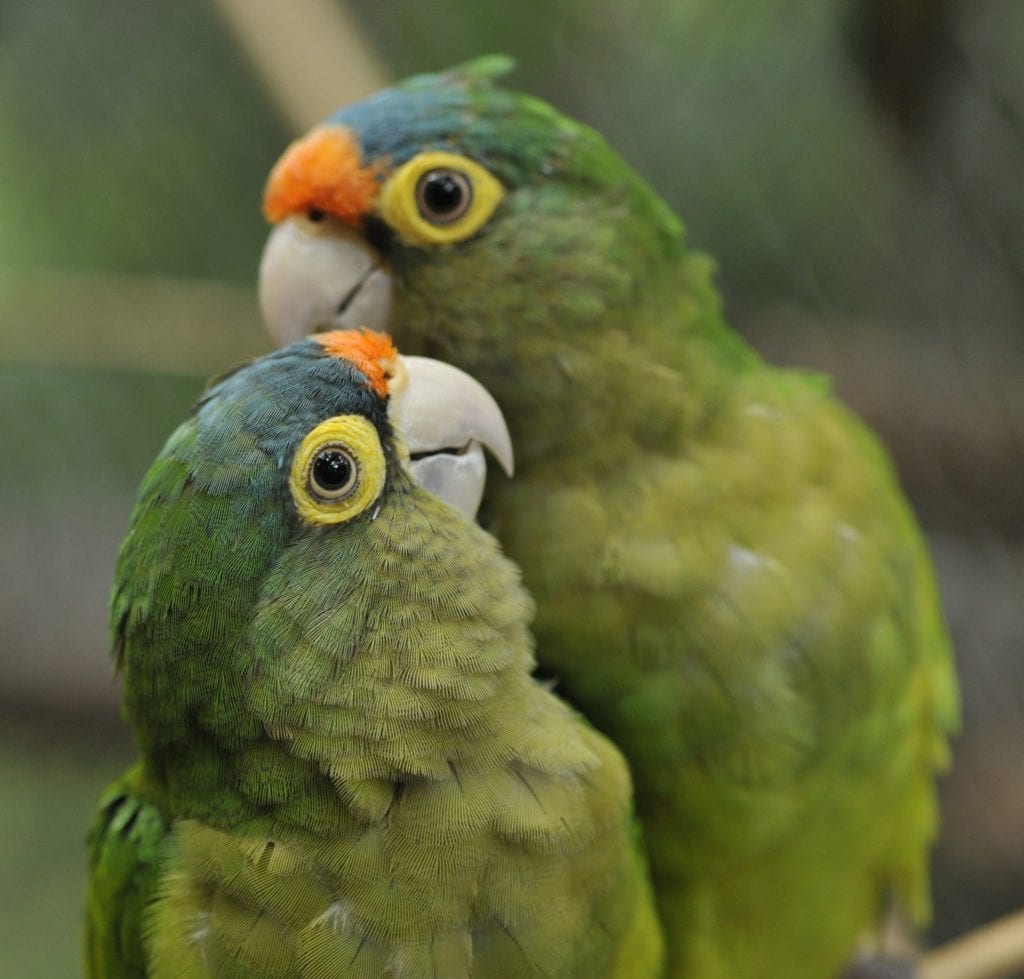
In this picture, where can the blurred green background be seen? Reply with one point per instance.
(857, 167)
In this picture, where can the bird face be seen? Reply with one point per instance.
(344, 228)
(354, 414)
(458, 216)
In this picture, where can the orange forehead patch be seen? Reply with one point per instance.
(322, 170)
(372, 353)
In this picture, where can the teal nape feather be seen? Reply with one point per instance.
(729, 582)
(346, 766)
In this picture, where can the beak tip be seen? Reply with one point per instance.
(505, 458)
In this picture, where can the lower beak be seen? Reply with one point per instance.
(321, 276)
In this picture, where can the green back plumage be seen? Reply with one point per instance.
(729, 582)
(347, 768)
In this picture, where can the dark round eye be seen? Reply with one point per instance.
(315, 214)
(443, 195)
(333, 473)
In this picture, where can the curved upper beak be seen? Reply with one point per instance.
(321, 276)
(446, 419)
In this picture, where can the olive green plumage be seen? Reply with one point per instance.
(728, 580)
(346, 767)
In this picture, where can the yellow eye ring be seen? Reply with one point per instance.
(338, 470)
(439, 198)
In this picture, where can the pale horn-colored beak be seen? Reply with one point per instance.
(446, 419)
(321, 276)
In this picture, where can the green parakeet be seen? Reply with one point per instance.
(729, 582)
(346, 767)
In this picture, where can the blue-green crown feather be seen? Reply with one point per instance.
(521, 139)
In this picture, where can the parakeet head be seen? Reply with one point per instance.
(357, 419)
(280, 530)
(461, 215)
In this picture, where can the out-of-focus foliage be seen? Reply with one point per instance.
(131, 138)
(49, 780)
(76, 443)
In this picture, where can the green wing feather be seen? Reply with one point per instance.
(126, 845)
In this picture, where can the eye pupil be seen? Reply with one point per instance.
(333, 473)
(332, 469)
(444, 195)
(315, 214)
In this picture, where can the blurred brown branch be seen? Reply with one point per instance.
(994, 951)
(311, 54)
(167, 326)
